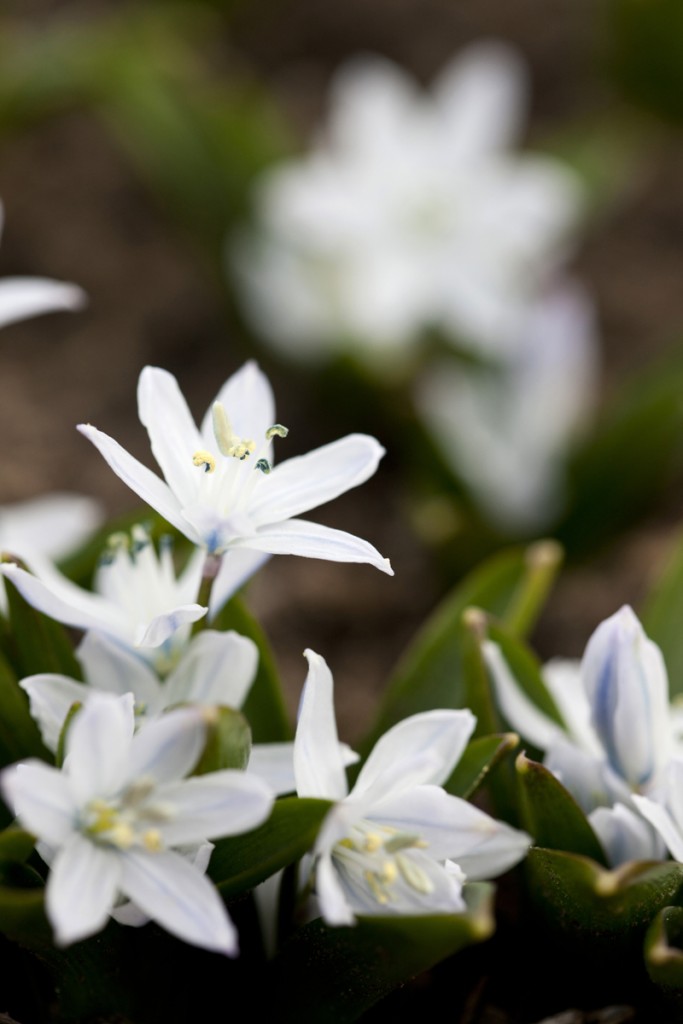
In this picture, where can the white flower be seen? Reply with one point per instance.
(221, 489)
(23, 297)
(507, 429)
(664, 808)
(620, 733)
(111, 822)
(397, 843)
(410, 211)
(137, 598)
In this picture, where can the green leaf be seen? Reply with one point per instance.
(479, 758)
(551, 815)
(38, 644)
(526, 668)
(664, 952)
(606, 911)
(15, 845)
(22, 916)
(264, 708)
(238, 863)
(646, 41)
(336, 974)
(228, 742)
(442, 668)
(19, 735)
(663, 614)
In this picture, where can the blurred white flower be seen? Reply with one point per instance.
(221, 489)
(664, 809)
(507, 429)
(137, 598)
(410, 211)
(620, 731)
(24, 297)
(113, 820)
(397, 843)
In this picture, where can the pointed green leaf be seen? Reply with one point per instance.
(228, 742)
(664, 953)
(336, 974)
(441, 668)
(264, 707)
(238, 863)
(551, 815)
(19, 735)
(22, 916)
(606, 911)
(480, 757)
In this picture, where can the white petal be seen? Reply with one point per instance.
(486, 847)
(524, 717)
(624, 835)
(662, 821)
(481, 96)
(436, 739)
(299, 537)
(99, 745)
(164, 626)
(333, 903)
(40, 797)
(274, 763)
(223, 803)
(318, 762)
(140, 479)
(563, 678)
(172, 431)
(179, 898)
(51, 525)
(247, 397)
(587, 777)
(169, 747)
(109, 666)
(430, 813)
(238, 565)
(303, 483)
(81, 889)
(62, 600)
(50, 698)
(217, 668)
(22, 297)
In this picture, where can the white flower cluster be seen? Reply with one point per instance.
(411, 213)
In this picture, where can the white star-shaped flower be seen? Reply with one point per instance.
(397, 843)
(113, 820)
(221, 487)
(411, 211)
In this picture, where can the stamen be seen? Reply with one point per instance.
(122, 835)
(277, 430)
(376, 889)
(347, 843)
(151, 840)
(228, 442)
(414, 875)
(205, 459)
(372, 842)
(403, 841)
(389, 872)
(263, 465)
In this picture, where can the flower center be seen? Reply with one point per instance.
(379, 857)
(231, 445)
(129, 820)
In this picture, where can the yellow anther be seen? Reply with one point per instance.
(414, 875)
(277, 430)
(152, 840)
(122, 835)
(228, 442)
(389, 872)
(348, 844)
(204, 459)
(375, 888)
(372, 842)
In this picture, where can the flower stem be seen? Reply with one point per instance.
(211, 568)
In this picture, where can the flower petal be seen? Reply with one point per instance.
(141, 480)
(51, 525)
(334, 906)
(307, 481)
(247, 397)
(168, 748)
(318, 762)
(486, 847)
(433, 739)
(50, 697)
(172, 431)
(524, 717)
(625, 836)
(179, 898)
(662, 821)
(238, 565)
(56, 596)
(41, 798)
(109, 666)
(217, 668)
(274, 763)
(98, 745)
(81, 889)
(430, 813)
(299, 537)
(164, 626)
(22, 297)
(223, 803)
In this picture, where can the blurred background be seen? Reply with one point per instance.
(131, 137)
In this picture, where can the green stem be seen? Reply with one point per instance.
(543, 559)
(212, 565)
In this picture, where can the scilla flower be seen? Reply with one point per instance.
(115, 822)
(221, 487)
(397, 843)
